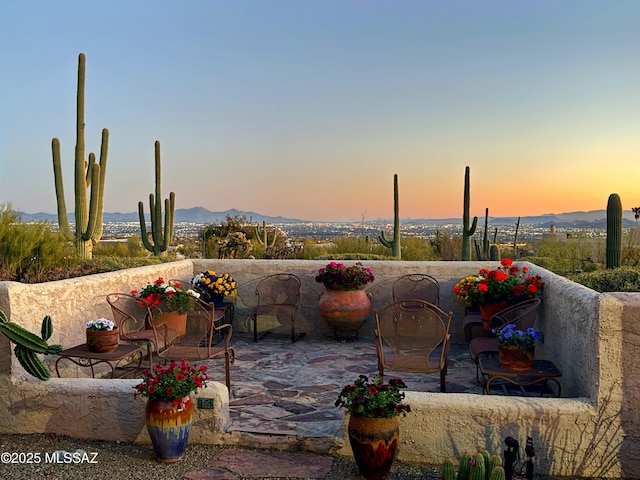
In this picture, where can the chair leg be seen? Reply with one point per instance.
(227, 373)
(255, 327)
(442, 382)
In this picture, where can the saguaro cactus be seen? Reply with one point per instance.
(161, 239)
(614, 231)
(264, 234)
(394, 244)
(88, 215)
(467, 231)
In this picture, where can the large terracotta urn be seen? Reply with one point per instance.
(374, 442)
(345, 310)
(169, 426)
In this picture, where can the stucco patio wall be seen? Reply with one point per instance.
(593, 338)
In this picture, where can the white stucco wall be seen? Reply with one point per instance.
(594, 339)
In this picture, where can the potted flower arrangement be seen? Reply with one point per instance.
(169, 411)
(214, 287)
(493, 290)
(174, 301)
(337, 276)
(345, 305)
(102, 336)
(373, 429)
(516, 348)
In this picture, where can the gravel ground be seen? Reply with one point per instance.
(122, 461)
(116, 461)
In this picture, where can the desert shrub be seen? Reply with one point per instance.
(29, 249)
(415, 249)
(447, 247)
(623, 279)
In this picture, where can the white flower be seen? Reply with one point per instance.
(101, 324)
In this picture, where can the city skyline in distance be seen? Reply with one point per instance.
(200, 215)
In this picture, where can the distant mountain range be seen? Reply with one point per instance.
(200, 215)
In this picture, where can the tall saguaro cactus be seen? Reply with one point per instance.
(394, 244)
(614, 231)
(88, 214)
(467, 231)
(161, 239)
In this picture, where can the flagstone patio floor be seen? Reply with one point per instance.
(286, 391)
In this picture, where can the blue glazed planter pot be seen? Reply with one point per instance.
(169, 426)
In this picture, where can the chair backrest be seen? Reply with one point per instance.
(130, 314)
(279, 289)
(416, 331)
(523, 315)
(416, 286)
(186, 283)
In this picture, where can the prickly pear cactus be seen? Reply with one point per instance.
(29, 344)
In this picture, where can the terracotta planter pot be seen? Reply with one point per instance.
(488, 310)
(515, 358)
(374, 442)
(345, 310)
(175, 321)
(169, 426)
(103, 341)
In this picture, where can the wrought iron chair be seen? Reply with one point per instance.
(278, 296)
(133, 318)
(413, 338)
(416, 286)
(523, 315)
(205, 339)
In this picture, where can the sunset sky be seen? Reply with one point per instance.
(307, 109)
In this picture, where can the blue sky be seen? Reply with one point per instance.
(307, 109)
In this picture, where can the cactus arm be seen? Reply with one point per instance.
(63, 220)
(168, 221)
(467, 231)
(104, 148)
(143, 228)
(95, 198)
(384, 241)
(485, 238)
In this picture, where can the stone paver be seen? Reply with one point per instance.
(282, 391)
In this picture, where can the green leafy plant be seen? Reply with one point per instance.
(101, 324)
(174, 298)
(173, 382)
(510, 335)
(375, 399)
(337, 276)
(507, 283)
